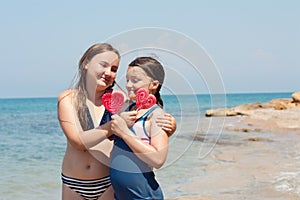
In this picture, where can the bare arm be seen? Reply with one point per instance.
(167, 123)
(70, 125)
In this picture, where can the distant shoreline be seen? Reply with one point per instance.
(200, 94)
(276, 114)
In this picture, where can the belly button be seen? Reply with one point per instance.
(88, 166)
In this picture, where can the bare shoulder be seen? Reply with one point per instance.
(154, 127)
(65, 105)
(157, 112)
(66, 96)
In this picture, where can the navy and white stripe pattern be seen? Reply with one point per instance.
(88, 189)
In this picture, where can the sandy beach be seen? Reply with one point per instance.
(256, 161)
(256, 157)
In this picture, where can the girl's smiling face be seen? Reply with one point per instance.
(136, 79)
(102, 69)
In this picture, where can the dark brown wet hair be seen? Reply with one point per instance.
(154, 70)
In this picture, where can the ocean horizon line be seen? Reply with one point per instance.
(180, 94)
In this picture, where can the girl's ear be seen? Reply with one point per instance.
(85, 67)
(154, 85)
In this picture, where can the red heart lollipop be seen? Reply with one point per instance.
(144, 100)
(113, 101)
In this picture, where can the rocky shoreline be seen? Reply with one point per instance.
(277, 114)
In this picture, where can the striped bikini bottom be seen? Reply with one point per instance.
(88, 189)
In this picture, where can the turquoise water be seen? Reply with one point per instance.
(32, 144)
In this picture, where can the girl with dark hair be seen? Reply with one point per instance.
(143, 146)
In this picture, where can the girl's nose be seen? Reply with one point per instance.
(129, 84)
(107, 71)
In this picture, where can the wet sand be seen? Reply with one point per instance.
(256, 157)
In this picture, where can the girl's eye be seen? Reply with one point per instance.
(114, 69)
(103, 64)
(135, 80)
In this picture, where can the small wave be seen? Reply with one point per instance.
(288, 182)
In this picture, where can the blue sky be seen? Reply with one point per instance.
(254, 44)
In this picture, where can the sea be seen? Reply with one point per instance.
(32, 144)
